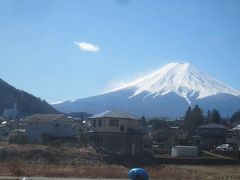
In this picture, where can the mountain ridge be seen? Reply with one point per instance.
(165, 92)
(27, 103)
(186, 82)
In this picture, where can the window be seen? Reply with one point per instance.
(57, 125)
(122, 128)
(99, 123)
(94, 123)
(114, 122)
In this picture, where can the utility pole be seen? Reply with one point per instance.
(18, 114)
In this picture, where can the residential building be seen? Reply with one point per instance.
(233, 137)
(44, 127)
(210, 135)
(115, 132)
(10, 113)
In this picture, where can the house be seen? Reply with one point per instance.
(115, 132)
(44, 127)
(233, 136)
(210, 135)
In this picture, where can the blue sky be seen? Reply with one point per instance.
(67, 49)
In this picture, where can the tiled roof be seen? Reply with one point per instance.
(115, 114)
(45, 117)
(212, 126)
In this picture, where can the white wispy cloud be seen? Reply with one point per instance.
(85, 46)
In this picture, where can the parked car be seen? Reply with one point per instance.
(224, 147)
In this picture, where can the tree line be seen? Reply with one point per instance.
(195, 117)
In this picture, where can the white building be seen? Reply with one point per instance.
(184, 151)
(234, 136)
(10, 113)
(41, 126)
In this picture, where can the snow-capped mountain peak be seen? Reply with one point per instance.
(167, 92)
(180, 78)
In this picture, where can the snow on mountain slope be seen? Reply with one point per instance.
(182, 79)
(165, 92)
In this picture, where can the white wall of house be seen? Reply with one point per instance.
(133, 124)
(114, 124)
(51, 128)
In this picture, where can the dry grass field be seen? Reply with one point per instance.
(114, 171)
(69, 161)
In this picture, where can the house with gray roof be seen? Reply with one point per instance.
(233, 137)
(210, 135)
(115, 132)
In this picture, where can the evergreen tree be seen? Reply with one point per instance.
(143, 118)
(215, 117)
(143, 121)
(197, 116)
(193, 118)
(209, 114)
(235, 119)
(188, 118)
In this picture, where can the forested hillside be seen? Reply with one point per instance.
(27, 103)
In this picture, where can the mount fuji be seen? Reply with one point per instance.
(165, 92)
